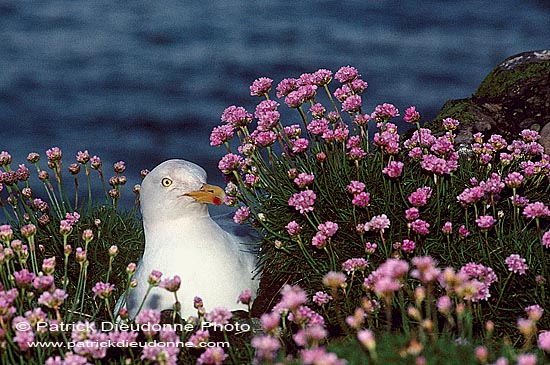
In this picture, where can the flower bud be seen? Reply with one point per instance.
(33, 157)
(113, 251)
(123, 313)
(154, 278)
(48, 265)
(27, 193)
(28, 231)
(131, 268)
(16, 245)
(87, 235)
(80, 255)
(74, 168)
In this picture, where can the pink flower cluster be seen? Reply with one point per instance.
(516, 264)
(388, 278)
(303, 201)
(480, 277)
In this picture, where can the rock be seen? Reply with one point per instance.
(514, 96)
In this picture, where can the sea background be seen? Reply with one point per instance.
(145, 81)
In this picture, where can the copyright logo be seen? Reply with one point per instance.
(23, 326)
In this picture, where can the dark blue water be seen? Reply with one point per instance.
(144, 81)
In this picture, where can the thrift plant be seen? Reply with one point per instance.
(374, 249)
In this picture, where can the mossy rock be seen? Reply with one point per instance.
(514, 96)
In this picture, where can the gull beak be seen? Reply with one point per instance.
(210, 194)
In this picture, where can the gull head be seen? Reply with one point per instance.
(175, 189)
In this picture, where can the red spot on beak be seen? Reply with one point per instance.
(217, 201)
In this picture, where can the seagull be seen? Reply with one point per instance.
(181, 238)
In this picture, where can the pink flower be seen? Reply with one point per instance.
(543, 341)
(354, 264)
(103, 290)
(304, 179)
(322, 77)
(385, 112)
(266, 348)
(420, 197)
(319, 355)
(536, 210)
(421, 227)
(319, 240)
(317, 111)
(370, 248)
(485, 222)
(305, 315)
(286, 86)
(425, 270)
(394, 169)
(236, 116)
(270, 321)
(300, 145)
(292, 296)
(263, 138)
(149, 316)
(408, 246)
(303, 201)
(171, 284)
(241, 215)
(411, 214)
(356, 153)
(355, 187)
(212, 356)
(450, 124)
(54, 154)
(484, 276)
(546, 239)
(447, 228)
(154, 278)
(527, 359)
(318, 126)
(230, 163)
(293, 228)
(321, 298)
(346, 74)
(334, 279)
(534, 312)
(310, 335)
(352, 104)
(23, 278)
(328, 228)
(379, 222)
(530, 135)
(411, 115)
(514, 180)
(463, 231)
(358, 86)
(361, 200)
(516, 264)
(221, 134)
(23, 338)
(245, 297)
(361, 119)
(52, 300)
(444, 304)
(219, 315)
(260, 86)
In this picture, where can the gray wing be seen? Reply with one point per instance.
(245, 234)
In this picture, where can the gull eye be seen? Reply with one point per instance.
(166, 182)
